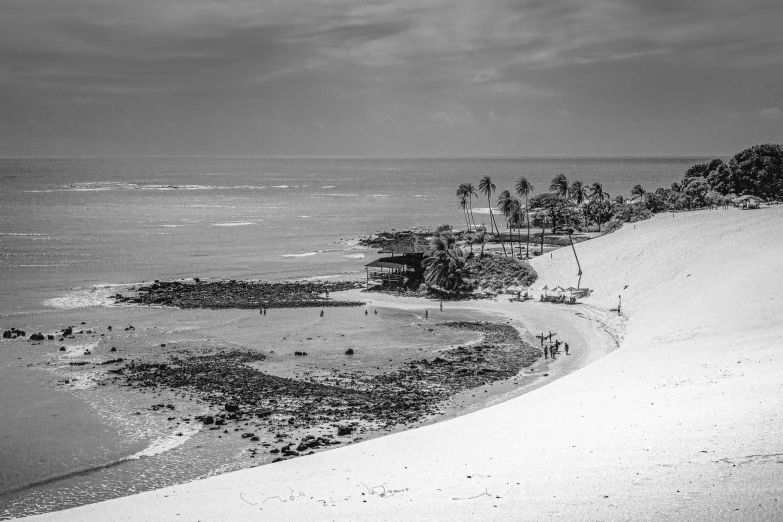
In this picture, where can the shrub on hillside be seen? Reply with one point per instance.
(632, 212)
(498, 272)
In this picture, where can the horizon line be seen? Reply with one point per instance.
(335, 157)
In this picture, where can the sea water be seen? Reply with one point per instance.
(74, 231)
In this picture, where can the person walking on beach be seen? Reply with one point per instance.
(441, 306)
(546, 352)
(322, 312)
(426, 314)
(365, 312)
(566, 348)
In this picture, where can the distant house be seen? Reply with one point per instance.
(404, 262)
(746, 202)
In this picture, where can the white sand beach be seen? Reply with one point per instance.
(680, 422)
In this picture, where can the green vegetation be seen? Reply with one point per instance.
(756, 171)
(498, 273)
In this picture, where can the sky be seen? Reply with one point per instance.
(397, 78)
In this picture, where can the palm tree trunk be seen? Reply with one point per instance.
(519, 240)
(577, 261)
(527, 218)
(510, 238)
(492, 221)
(491, 217)
(470, 203)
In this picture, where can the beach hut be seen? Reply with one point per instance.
(389, 271)
(747, 202)
(408, 251)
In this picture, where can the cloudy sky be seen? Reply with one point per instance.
(389, 78)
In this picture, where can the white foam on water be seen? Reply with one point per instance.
(95, 296)
(233, 224)
(85, 380)
(281, 186)
(328, 186)
(19, 234)
(167, 443)
(172, 226)
(303, 216)
(306, 254)
(76, 350)
(354, 256)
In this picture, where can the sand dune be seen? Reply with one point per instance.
(681, 422)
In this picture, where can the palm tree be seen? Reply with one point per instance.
(578, 193)
(445, 267)
(463, 204)
(506, 205)
(638, 192)
(517, 218)
(470, 190)
(598, 196)
(559, 185)
(487, 187)
(524, 188)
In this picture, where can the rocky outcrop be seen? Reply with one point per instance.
(239, 294)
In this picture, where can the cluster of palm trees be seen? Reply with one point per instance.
(517, 214)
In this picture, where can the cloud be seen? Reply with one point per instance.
(407, 70)
(771, 113)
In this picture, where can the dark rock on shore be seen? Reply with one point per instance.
(13, 333)
(349, 400)
(385, 239)
(239, 294)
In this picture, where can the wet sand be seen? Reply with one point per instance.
(398, 333)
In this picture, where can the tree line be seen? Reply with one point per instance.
(756, 171)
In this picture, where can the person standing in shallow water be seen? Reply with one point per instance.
(426, 314)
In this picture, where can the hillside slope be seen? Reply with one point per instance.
(682, 422)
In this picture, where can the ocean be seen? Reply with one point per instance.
(73, 231)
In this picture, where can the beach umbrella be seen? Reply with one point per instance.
(546, 287)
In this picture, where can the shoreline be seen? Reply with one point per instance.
(472, 399)
(680, 422)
